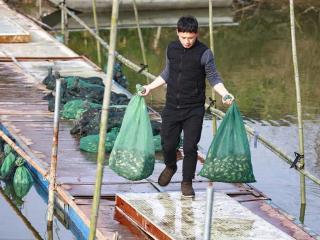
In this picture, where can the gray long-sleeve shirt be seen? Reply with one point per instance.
(207, 60)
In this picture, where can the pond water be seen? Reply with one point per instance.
(27, 219)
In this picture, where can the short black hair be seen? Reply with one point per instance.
(187, 24)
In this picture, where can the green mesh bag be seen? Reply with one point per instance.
(229, 158)
(22, 180)
(73, 109)
(8, 166)
(7, 149)
(133, 155)
(90, 143)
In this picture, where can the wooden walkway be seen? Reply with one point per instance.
(24, 114)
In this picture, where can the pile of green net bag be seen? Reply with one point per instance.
(14, 172)
(22, 180)
(90, 143)
(74, 108)
(229, 158)
(8, 166)
(133, 154)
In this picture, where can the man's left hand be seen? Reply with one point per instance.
(228, 99)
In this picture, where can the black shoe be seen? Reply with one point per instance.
(166, 175)
(187, 189)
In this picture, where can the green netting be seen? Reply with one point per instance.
(89, 121)
(22, 180)
(90, 143)
(229, 158)
(70, 80)
(73, 109)
(2, 155)
(7, 149)
(2, 143)
(133, 154)
(8, 166)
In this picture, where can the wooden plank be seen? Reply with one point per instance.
(107, 190)
(11, 32)
(277, 218)
(132, 213)
(106, 222)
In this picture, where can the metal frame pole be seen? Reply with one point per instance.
(299, 110)
(208, 216)
(96, 25)
(54, 151)
(209, 204)
(104, 120)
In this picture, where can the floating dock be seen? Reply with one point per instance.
(106, 5)
(164, 18)
(128, 210)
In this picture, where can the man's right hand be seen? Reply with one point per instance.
(146, 90)
(159, 81)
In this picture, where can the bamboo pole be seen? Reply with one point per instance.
(22, 153)
(104, 120)
(104, 44)
(95, 18)
(213, 94)
(156, 38)
(39, 8)
(62, 18)
(214, 119)
(54, 152)
(143, 50)
(299, 110)
(66, 31)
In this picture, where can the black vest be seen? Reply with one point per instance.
(186, 84)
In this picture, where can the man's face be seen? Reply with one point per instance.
(187, 39)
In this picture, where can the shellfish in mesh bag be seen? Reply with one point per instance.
(229, 157)
(133, 153)
(131, 164)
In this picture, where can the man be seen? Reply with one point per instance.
(189, 63)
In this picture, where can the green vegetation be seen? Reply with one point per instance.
(254, 59)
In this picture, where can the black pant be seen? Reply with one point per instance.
(174, 121)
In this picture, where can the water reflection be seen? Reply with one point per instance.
(16, 204)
